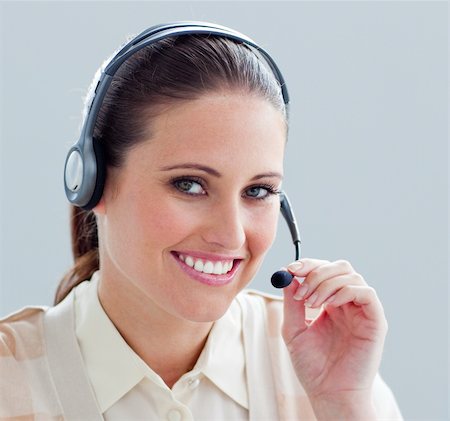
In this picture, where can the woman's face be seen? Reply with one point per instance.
(198, 193)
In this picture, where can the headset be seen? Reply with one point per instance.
(85, 168)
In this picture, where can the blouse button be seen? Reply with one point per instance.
(174, 415)
(193, 383)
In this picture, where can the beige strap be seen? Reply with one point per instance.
(66, 364)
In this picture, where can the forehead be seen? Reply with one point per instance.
(225, 128)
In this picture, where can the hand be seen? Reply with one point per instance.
(337, 356)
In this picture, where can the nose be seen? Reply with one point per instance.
(224, 226)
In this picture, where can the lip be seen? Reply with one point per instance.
(206, 278)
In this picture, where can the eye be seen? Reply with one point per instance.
(188, 186)
(261, 192)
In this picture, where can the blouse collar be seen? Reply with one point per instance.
(114, 368)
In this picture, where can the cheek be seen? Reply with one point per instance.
(164, 221)
(262, 229)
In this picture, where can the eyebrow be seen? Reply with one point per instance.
(216, 173)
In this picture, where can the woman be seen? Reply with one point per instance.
(153, 321)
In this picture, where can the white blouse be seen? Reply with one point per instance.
(126, 388)
(47, 376)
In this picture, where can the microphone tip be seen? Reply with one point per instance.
(281, 279)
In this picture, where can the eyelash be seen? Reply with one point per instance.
(271, 189)
(197, 180)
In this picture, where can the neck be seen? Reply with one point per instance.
(170, 346)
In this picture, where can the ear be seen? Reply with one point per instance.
(108, 194)
(100, 207)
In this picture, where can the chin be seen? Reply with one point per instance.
(202, 313)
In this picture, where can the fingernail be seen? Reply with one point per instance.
(301, 292)
(295, 266)
(311, 300)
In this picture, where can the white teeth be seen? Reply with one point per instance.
(199, 265)
(208, 267)
(217, 268)
(189, 261)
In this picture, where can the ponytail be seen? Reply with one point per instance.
(84, 249)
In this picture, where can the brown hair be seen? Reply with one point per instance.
(174, 69)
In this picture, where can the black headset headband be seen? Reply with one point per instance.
(84, 171)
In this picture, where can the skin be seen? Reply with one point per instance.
(165, 315)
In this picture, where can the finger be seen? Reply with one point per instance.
(294, 313)
(362, 296)
(328, 287)
(322, 272)
(305, 265)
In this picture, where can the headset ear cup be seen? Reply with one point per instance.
(100, 175)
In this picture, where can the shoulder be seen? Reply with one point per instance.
(21, 329)
(262, 310)
(22, 360)
(21, 336)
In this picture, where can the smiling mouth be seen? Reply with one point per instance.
(219, 267)
(209, 272)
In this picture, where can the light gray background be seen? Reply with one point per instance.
(366, 164)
